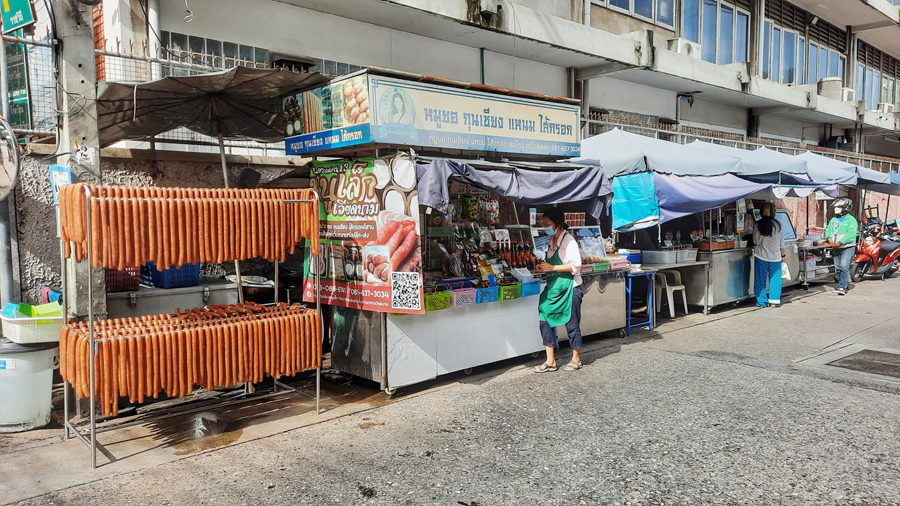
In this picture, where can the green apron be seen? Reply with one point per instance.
(555, 307)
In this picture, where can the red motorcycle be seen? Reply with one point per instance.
(877, 253)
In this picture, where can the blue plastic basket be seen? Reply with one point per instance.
(489, 294)
(187, 275)
(530, 288)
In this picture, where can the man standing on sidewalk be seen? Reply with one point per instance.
(841, 235)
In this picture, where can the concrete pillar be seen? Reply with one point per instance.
(78, 132)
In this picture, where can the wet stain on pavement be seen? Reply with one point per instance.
(208, 430)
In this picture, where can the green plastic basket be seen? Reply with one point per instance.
(509, 292)
(437, 301)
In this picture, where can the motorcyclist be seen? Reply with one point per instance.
(841, 235)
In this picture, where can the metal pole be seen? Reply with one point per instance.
(65, 311)
(6, 270)
(237, 264)
(276, 281)
(92, 343)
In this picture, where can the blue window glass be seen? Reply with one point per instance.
(767, 51)
(726, 35)
(620, 3)
(840, 68)
(789, 58)
(834, 64)
(801, 62)
(860, 82)
(823, 63)
(776, 55)
(691, 23)
(709, 30)
(665, 12)
(874, 91)
(644, 8)
(868, 87)
(740, 37)
(813, 63)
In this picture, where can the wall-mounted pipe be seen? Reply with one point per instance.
(482, 65)
(587, 12)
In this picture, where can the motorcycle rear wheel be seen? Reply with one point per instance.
(891, 270)
(858, 271)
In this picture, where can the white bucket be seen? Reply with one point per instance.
(26, 384)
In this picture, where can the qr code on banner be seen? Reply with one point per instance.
(406, 293)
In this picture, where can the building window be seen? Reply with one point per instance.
(665, 13)
(813, 76)
(210, 52)
(801, 62)
(691, 26)
(776, 54)
(708, 44)
(767, 51)
(741, 40)
(655, 11)
(789, 58)
(726, 35)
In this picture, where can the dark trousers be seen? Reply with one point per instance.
(573, 328)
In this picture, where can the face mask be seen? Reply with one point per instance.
(549, 231)
(838, 211)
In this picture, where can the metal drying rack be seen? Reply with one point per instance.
(89, 437)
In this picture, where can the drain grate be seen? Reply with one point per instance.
(870, 361)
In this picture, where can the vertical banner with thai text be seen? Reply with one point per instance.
(370, 254)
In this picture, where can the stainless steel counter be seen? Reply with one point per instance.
(149, 300)
(603, 305)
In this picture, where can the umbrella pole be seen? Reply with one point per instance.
(237, 265)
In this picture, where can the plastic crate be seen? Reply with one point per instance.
(509, 292)
(530, 288)
(489, 294)
(686, 255)
(32, 330)
(187, 275)
(123, 281)
(463, 297)
(437, 301)
(660, 257)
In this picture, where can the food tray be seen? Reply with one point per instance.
(187, 275)
(716, 246)
(530, 288)
(463, 297)
(123, 281)
(437, 301)
(509, 292)
(32, 330)
(618, 265)
(686, 255)
(489, 294)
(660, 257)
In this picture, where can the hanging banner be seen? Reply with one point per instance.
(332, 116)
(420, 114)
(370, 255)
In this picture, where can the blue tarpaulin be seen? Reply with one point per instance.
(521, 185)
(634, 202)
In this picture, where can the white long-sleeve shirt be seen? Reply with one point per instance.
(569, 254)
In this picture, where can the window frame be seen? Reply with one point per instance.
(735, 10)
(654, 15)
(796, 48)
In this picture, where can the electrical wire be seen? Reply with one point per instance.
(190, 13)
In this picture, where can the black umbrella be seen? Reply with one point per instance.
(240, 103)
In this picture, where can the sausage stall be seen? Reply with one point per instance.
(419, 290)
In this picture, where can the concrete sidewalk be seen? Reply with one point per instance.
(702, 410)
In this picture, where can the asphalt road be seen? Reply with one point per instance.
(709, 412)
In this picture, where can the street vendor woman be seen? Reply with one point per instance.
(561, 300)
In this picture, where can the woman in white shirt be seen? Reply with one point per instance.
(561, 299)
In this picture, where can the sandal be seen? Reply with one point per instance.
(545, 367)
(572, 366)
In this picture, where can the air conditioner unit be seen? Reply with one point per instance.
(848, 94)
(685, 47)
(885, 108)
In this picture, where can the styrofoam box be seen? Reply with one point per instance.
(659, 257)
(686, 255)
